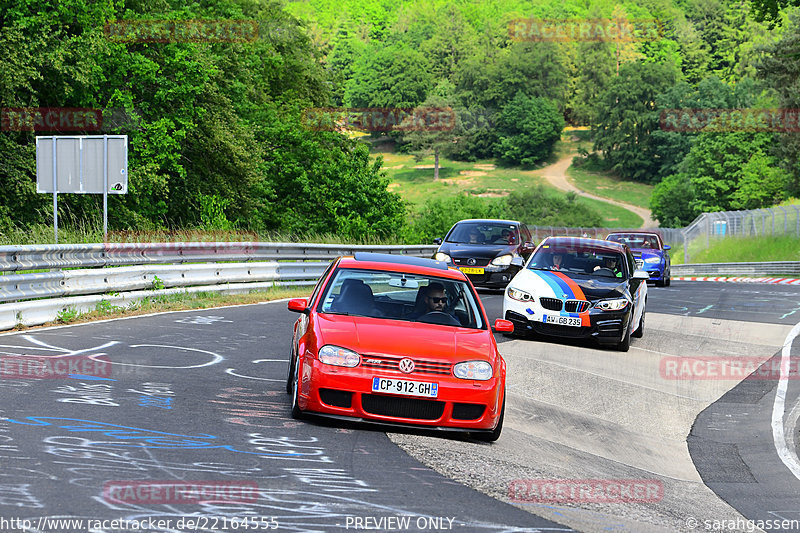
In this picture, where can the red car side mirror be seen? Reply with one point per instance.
(298, 305)
(503, 326)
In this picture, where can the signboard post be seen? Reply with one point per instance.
(85, 164)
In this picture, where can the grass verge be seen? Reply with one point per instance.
(608, 186)
(43, 234)
(173, 302)
(613, 215)
(741, 250)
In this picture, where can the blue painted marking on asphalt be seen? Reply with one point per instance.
(89, 378)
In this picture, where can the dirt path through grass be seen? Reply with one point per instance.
(556, 175)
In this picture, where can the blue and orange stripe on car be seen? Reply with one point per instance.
(560, 283)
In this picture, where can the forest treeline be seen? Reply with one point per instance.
(218, 141)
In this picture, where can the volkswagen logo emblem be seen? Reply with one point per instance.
(406, 365)
(471, 261)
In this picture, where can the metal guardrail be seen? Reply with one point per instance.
(16, 258)
(776, 268)
(221, 267)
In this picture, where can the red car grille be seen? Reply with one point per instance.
(421, 366)
(402, 407)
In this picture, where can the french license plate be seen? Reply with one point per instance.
(406, 388)
(469, 270)
(561, 320)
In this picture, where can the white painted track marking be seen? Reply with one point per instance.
(787, 454)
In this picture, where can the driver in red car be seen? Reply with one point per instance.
(435, 298)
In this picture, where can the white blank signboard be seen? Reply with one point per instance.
(79, 164)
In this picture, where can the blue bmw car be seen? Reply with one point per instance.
(650, 252)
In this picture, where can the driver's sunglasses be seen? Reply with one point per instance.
(436, 299)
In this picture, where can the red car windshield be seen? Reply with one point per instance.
(400, 296)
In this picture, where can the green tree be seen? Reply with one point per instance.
(453, 40)
(627, 117)
(595, 67)
(527, 128)
(671, 201)
(762, 183)
(392, 76)
(780, 69)
(321, 182)
(436, 134)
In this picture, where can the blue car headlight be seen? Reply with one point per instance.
(652, 260)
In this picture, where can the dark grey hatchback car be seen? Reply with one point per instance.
(490, 252)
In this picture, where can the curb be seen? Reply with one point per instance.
(782, 281)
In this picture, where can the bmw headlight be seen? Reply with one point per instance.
(477, 370)
(653, 260)
(441, 256)
(517, 294)
(503, 260)
(612, 305)
(338, 356)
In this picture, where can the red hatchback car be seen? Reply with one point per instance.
(394, 339)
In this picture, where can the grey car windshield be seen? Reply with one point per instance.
(483, 233)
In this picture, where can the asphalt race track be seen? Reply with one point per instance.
(198, 396)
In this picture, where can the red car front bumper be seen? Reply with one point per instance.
(341, 391)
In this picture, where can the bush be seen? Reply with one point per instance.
(528, 129)
(536, 207)
(533, 206)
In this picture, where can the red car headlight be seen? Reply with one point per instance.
(477, 370)
(338, 356)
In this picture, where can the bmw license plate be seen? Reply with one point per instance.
(561, 320)
(406, 388)
(468, 270)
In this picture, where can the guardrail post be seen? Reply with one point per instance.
(685, 247)
(797, 220)
(785, 220)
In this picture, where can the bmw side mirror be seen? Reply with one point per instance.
(518, 261)
(437, 241)
(667, 247)
(641, 274)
